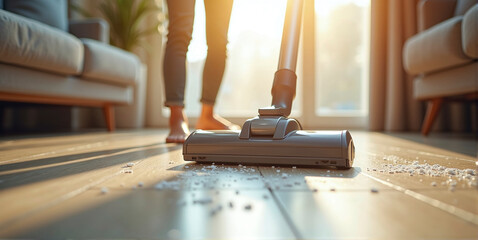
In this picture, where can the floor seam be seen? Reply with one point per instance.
(457, 212)
(283, 211)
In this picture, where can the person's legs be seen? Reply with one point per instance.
(181, 19)
(218, 13)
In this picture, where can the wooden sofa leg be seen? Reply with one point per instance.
(109, 113)
(433, 108)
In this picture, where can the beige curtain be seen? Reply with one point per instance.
(154, 91)
(392, 106)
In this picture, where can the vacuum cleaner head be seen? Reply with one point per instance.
(298, 148)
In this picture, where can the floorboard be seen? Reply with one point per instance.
(366, 215)
(130, 184)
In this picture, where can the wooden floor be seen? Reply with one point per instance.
(80, 186)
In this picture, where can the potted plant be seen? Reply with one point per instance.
(126, 19)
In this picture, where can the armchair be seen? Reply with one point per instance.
(444, 54)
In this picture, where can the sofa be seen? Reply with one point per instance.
(444, 54)
(45, 58)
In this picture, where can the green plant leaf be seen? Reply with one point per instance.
(126, 19)
(83, 12)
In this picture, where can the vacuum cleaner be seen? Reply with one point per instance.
(272, 137)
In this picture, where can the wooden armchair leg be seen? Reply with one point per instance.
(109, 113)
(433, 108)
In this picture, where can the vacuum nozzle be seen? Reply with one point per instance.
(283, 93)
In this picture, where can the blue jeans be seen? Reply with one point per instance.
(181, 19)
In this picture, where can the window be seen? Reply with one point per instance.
(332, 93)
(342, 58)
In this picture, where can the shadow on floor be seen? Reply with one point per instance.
(17, 137)
(68, 167)
(462, 143)
(64, 158)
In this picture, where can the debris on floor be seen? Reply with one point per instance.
(174, 185)
(130, 164)
(104, 190)
(398, 165)
(203, 201)
(216, 210)
(374, 190)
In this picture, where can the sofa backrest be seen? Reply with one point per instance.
(51, 12)
(462, 6)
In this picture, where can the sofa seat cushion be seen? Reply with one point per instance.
(470, 32)
(110, 64)
(29, 43)
(437, 48)
(21, 80)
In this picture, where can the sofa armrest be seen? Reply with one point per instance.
(92, 28)
(432, 12)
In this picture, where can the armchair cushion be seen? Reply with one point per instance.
(92, 28)
(33, 44)
(436, 48)
(51, 12)
(432, 12)
(470, 32)
(102, 61)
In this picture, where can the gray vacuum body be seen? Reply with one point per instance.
(295, 147)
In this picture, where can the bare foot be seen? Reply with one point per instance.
(178, 125)
(210, 121)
